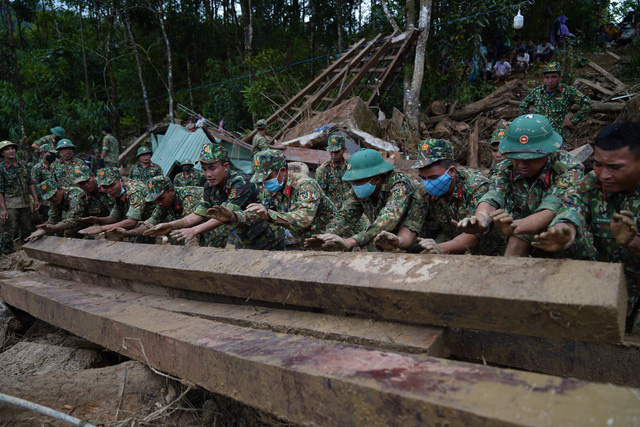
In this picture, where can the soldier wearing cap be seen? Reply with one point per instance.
(144, 169)
(496, 137)
(57, 133)
(129, 202)
(172, 203)
(41, 171)
(110, 148)
(67, 207)
(554, 100)
(189, 177)
(228, 190)
(531, 184)
(15, 188)
(329, 174)
(260, 141)
(62, 168)
(447, 195)
(99, 204)
(379, 192)
(605, 208)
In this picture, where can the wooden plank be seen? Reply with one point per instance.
(613, 55)
(594, 85)
(606, 363)
(298, 378)
(134, 145)
(606, 74)
(369, 332)
(565, 299)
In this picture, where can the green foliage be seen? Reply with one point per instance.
(631, 68)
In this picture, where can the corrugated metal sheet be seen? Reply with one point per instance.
(179, 144)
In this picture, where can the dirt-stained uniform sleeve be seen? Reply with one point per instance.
(348, 216)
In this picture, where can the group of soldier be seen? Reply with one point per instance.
(535, 201)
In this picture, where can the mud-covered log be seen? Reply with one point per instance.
(525, 296)
(317, 382)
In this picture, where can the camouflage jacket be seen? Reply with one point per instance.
(301, 207)
(63, 171)
(131, 204)
(329, 177)
(193, 178)
(260, 143)
(386, 212)
(41, 172)
(144, 174)
(73, 207)
(112, 146)
(522, 197)
(187, 199)
(47, 139)
(556, 106)
(98, 204)
(590, 208)
(14, 184)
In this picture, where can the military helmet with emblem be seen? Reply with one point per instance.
(143, 150)
(65, 143)
(47, 148)
(80, 174)
(553, 67)
(335, 143)
(48, 188)
(433, 150)
(530, 137)
(265, 162)
(498, 135)
(156, 186)
(211, 153)
(366, 163)
(107, 176)
(186, 162)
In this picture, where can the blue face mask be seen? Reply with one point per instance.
(439, 186)
(121, 192)
(272, 185)
(363, 191)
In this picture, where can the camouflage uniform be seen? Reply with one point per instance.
(47, 139)
(140, 173)
(41, 172)
(329, 175)
(112, 146)
(260, 143)
(63, 171)
(131, 203)
(192, 178)
(556, 106)
(14, 186)
(386, 212)
(73, 207)
(590, 208)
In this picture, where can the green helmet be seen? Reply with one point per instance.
(47, 148)
(261, 124)
(5, 144)
(48, 188)
(80, 174)
(498, 135)
(143, 150)
(58, 131)
(335, 143)
(364, 164)
(186, 162)
(553, 67)
(530, 137)
(65, 143)
(107, 176)
(212, 153)
(433, 150)
(156, 186)
(266, 162)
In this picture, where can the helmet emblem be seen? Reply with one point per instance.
(524, 139)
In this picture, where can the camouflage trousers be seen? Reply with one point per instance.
(18, 225)
(216, 238)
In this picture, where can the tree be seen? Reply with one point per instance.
(413, 96)
(15, 71)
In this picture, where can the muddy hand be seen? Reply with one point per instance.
(158, 230)
(473, 225)
(429, 246)
(386, 241)
(333, 241)
(118, 231)
(94, 229)
(47, 228)
(503, 221)
(221, 214)
(623, 227)
(557, 237)
(313, 242)
(35, 235)
(183, 235)
(258, 209)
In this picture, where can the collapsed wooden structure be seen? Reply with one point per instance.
(355, 338)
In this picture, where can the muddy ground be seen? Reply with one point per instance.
(49, 366)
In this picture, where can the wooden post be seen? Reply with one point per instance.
(472, 153)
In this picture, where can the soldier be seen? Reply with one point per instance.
(144, 169)
(447, 195)
(15, 187)
(260, 141)
(41, 171)
(99, 204)
(67, 207)
(605, 208)
(554, 100)
(531, 184)
(496, 137)
(129, 202)
(189, 177)
(62, 169)
(379, 192)
(110, 148)
(57, 133)
(329, 174)
(227, 188)
(172, 203)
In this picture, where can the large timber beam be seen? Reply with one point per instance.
(524, 296)
(311, 381)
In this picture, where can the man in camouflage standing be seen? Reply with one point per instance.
(446, 195)
(379, 192)
(62, 169)
(329, 174)
(144, 169)
(41, 171)
(260, 141)
(110, 148)
(15, 188)
(554, 100)
(189, 177)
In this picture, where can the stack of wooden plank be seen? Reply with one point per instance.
(353, 338)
